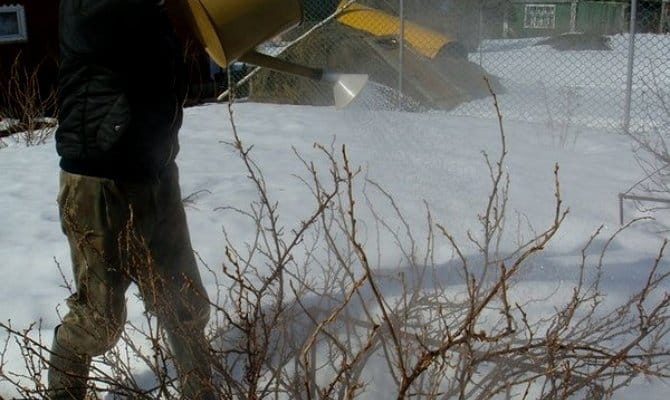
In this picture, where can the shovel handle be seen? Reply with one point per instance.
(264, 60)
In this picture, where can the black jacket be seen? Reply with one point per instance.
(121, 89)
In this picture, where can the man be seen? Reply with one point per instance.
(121, 90)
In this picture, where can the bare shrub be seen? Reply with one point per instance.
(651, 152)
(306, 310)
(561, 119)
(26, 105)
(650, 142)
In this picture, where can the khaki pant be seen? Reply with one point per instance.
(121, 233)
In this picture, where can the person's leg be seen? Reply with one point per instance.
(90, 216)
(176, 294)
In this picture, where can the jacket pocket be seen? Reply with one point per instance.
(107, 112)
(114, 124)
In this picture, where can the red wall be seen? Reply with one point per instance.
(41, 49)
(42, 26)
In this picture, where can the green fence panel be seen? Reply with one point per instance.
(602, 17)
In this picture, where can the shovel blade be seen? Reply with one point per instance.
(346, 87)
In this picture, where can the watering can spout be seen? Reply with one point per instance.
(345, 86)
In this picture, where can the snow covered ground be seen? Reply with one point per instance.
(575, 88)
(434, 157)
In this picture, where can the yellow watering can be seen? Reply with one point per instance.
(230, 30)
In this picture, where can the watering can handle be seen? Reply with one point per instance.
(264, 60)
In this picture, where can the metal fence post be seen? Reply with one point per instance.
(573, 16)
(631, 64)
(480, 33)
(401, 54)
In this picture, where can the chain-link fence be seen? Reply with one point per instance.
(559, 62)
(572, 63)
